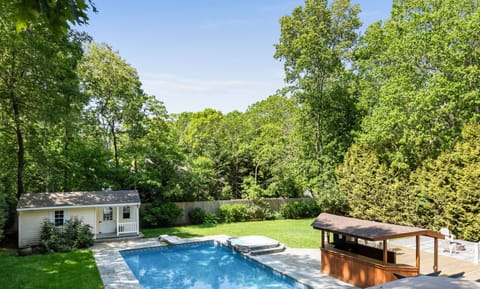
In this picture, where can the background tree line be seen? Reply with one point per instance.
(382, 124)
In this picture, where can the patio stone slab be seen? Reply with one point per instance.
(300, 264)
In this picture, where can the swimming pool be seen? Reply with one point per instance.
(205, 265)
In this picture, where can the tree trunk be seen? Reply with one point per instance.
(20, 144)
(66, 148)
(256, 171)
(115, 149)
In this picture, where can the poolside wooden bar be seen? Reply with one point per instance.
(345, 258)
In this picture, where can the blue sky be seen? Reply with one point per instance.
(197, 54)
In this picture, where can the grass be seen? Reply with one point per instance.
(78, 269)
(292, 233)
(61, 270)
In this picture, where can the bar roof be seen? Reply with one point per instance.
(35, 201)
(368, 230)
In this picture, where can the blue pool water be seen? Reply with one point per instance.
(202, 266)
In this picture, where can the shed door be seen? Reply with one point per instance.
(107, 222)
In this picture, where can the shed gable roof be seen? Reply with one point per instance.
(34, 201)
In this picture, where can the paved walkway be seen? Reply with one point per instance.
(300, 264)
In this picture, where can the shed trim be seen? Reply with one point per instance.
(75, 207)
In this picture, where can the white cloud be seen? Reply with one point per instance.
(186, 94)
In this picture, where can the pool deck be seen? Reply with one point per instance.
(300, 264)
(304, 266)
(461, 261)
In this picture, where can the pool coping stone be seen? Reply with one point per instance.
(302, 265)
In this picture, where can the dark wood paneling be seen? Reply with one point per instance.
(366, 251)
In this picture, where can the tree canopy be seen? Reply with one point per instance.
(382, 125)
(55, 14)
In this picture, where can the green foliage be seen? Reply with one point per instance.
(160, 214)
(210, 219)
(259, 209)
(373, 190)
(72, 235)
(37, 76)
(404, 90)
(448, 188)
(117, 99)
(333, 201)
(196, 216)
(315, 44)
(300, 209)
(270, 141)
(55, 14)
(233, 213)
(419, 80)
(418, 87)
(204, 183)
(3, 211)
(155, 157)
(441, 193)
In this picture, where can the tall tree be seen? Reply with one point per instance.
(271, 143)
(315, 45)
(448, 188)
(234, 154)
(115, 92)
(36, 74)
(419, 75)
(155, 157)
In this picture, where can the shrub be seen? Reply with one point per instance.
(84, 237)
(210, 219)
(259, 210)
(233, 213)
(300, 209)
(73, 234)
(163, 214)
(196, 216)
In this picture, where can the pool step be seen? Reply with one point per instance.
(249, 248)
(255, 245)
(114, 238)
(277, 249)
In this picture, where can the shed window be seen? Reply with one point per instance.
(126, 212)
(107, 214)
(59, 218)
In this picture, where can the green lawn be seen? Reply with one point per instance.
(78, 270)
(61, 270)
(292, 233)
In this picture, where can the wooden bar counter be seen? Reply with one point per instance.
(360, 270)
(344, 258)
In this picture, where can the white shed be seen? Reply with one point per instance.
(110, 213)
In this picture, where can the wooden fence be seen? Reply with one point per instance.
(214, 206)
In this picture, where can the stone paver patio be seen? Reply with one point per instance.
(300, 264)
